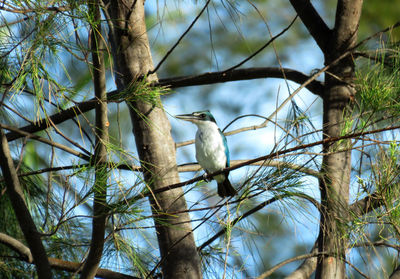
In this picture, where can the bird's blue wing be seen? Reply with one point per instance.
(225, 142)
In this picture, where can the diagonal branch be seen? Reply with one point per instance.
(180, 38)
(75, 267)
(263, 46)
(313, 22)
(55, 263)
(21, 211)
(234, 222)
(60, 146)
(17, 246)
(113, 96)
(57, 118)
(254, 210)
(285, 262)
(307, 267)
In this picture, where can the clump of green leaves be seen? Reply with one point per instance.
(378, 85)
(386, 174)
(142, 90)
(384, 179)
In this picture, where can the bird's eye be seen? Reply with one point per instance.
(203, 115)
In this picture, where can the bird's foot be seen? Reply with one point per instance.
(206, 179)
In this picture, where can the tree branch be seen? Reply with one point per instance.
(263, 46)
(270, 163)
(242, 74)
(22, 213)
(348, 14)
(308, 266)
(75, 267)
(99, 187)
(395, 274)
(17, 246)
(366, 205)
(175, 82)
(254, 210)
(313, 22)
(285, 262)
(249, 212)
(22, 133)
(57, 118)
(180, 39)
(38, 9)
(55, 263)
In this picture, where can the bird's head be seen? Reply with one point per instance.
(197, 117)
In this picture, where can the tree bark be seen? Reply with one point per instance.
(151, 128)
(337, 98)
(336, 164)
(93, 259)
(306, 269)
(395, 274)
(22, 213)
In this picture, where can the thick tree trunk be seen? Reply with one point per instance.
(337, 97)
(334, 187)
(336, 163)
(153, 141)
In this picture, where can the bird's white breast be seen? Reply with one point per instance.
(210, 150)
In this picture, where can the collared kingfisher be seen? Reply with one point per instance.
(212, 151)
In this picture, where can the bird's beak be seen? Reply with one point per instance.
(187, 117)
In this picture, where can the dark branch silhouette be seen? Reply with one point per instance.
(176, 82)
(313, 22)
(55, 263)
(24, 218)
(242, 74)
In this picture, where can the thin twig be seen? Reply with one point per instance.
(275, 154)
(46, 141)
(285, 262)
(262, 47)
(179, 40)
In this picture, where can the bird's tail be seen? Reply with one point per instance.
(225, 189)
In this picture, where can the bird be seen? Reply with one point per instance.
(212, 151)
